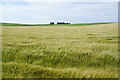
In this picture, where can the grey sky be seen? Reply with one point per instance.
(74, 12)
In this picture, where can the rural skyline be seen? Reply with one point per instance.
(45, 12)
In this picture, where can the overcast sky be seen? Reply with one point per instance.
(35, 12)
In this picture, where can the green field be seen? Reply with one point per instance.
(89, 51)
(80, 24)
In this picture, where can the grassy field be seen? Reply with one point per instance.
(80, 24)
(89, 51)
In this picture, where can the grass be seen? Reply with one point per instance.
(60, 51)
(80, 24)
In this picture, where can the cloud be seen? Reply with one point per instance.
(71, 0)
(59, 0)
(74, 12)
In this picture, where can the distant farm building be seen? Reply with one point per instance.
(51, 22)
(62, 23)
(58, 23)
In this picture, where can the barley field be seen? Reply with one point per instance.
(60, 51)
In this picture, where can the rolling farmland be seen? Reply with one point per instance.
(89, 51)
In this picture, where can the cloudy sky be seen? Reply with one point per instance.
(42, 12)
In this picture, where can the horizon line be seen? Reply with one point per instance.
(55, 22)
